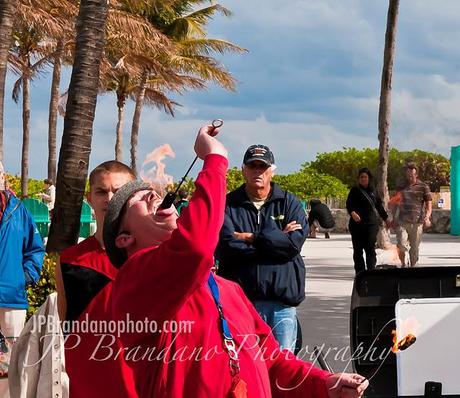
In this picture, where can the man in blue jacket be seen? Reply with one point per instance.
(21, 259)
(260, 242)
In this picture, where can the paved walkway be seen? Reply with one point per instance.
(325, 313)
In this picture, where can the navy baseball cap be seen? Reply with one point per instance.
(259, 152)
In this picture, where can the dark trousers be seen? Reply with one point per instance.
(363, 238)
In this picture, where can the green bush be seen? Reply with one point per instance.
(434, 169)
(188, 184)
(35, 186)
(234, 179)
(309, 183)
(38, 293)
(305, 184)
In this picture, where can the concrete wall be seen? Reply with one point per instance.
(440, 220)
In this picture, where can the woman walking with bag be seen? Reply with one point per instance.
(365, 209)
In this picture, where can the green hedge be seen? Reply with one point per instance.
(35, 186)
(46, 285)
(305, 184)
(433, 168)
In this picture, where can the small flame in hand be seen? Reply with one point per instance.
(407, 329)
(155, 175)
(401, 345)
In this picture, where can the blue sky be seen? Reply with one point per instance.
(309, 84)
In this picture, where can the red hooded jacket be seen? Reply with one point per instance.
(186, 358)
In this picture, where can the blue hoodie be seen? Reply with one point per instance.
(21, 254)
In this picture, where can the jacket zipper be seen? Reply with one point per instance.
(257, 230)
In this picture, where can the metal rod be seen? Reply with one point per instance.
(170, 197)
(376, 371)
(321, 359)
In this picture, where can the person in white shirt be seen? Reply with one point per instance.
(48, 196)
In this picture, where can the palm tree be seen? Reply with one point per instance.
(123, 86)
(146, 94)
(53, 109)
(126, 86)
(385, 112)
(78, 124)
(139, 42)
(55, 20)
(185, 28)
(132, 77)
(28, 57)
(7, 14)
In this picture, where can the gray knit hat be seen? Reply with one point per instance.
(112, 220)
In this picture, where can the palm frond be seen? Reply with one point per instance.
(140, 61)
(206, 46)
(203, 15)
(142, 7)
(66, 9)
(133, 33)
(176, 82)
(15, 63)
(39, 66)
(49, 21)
(46, 48)
(17, 88)
(184, 27)
(206, 68)
(160, 100)
(193, 24)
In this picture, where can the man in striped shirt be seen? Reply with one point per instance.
(412, 215)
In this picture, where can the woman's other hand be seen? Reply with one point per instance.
(355, 216)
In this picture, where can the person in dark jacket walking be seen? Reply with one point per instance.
(319, 216)
(260, 242)
(365, 208)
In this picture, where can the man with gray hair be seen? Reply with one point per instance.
(260, 242)
(20, 264)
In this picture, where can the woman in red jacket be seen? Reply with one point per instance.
(165, 279)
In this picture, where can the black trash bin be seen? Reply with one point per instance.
(375, 294)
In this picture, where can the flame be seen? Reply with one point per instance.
(404, 343)
(155, 175)
(407, 328)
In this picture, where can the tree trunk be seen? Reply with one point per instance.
(7, 13)
(53, 112)
(25, 136)
(78, 124)
(121, 101)
(137, 120)
(383, 240)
